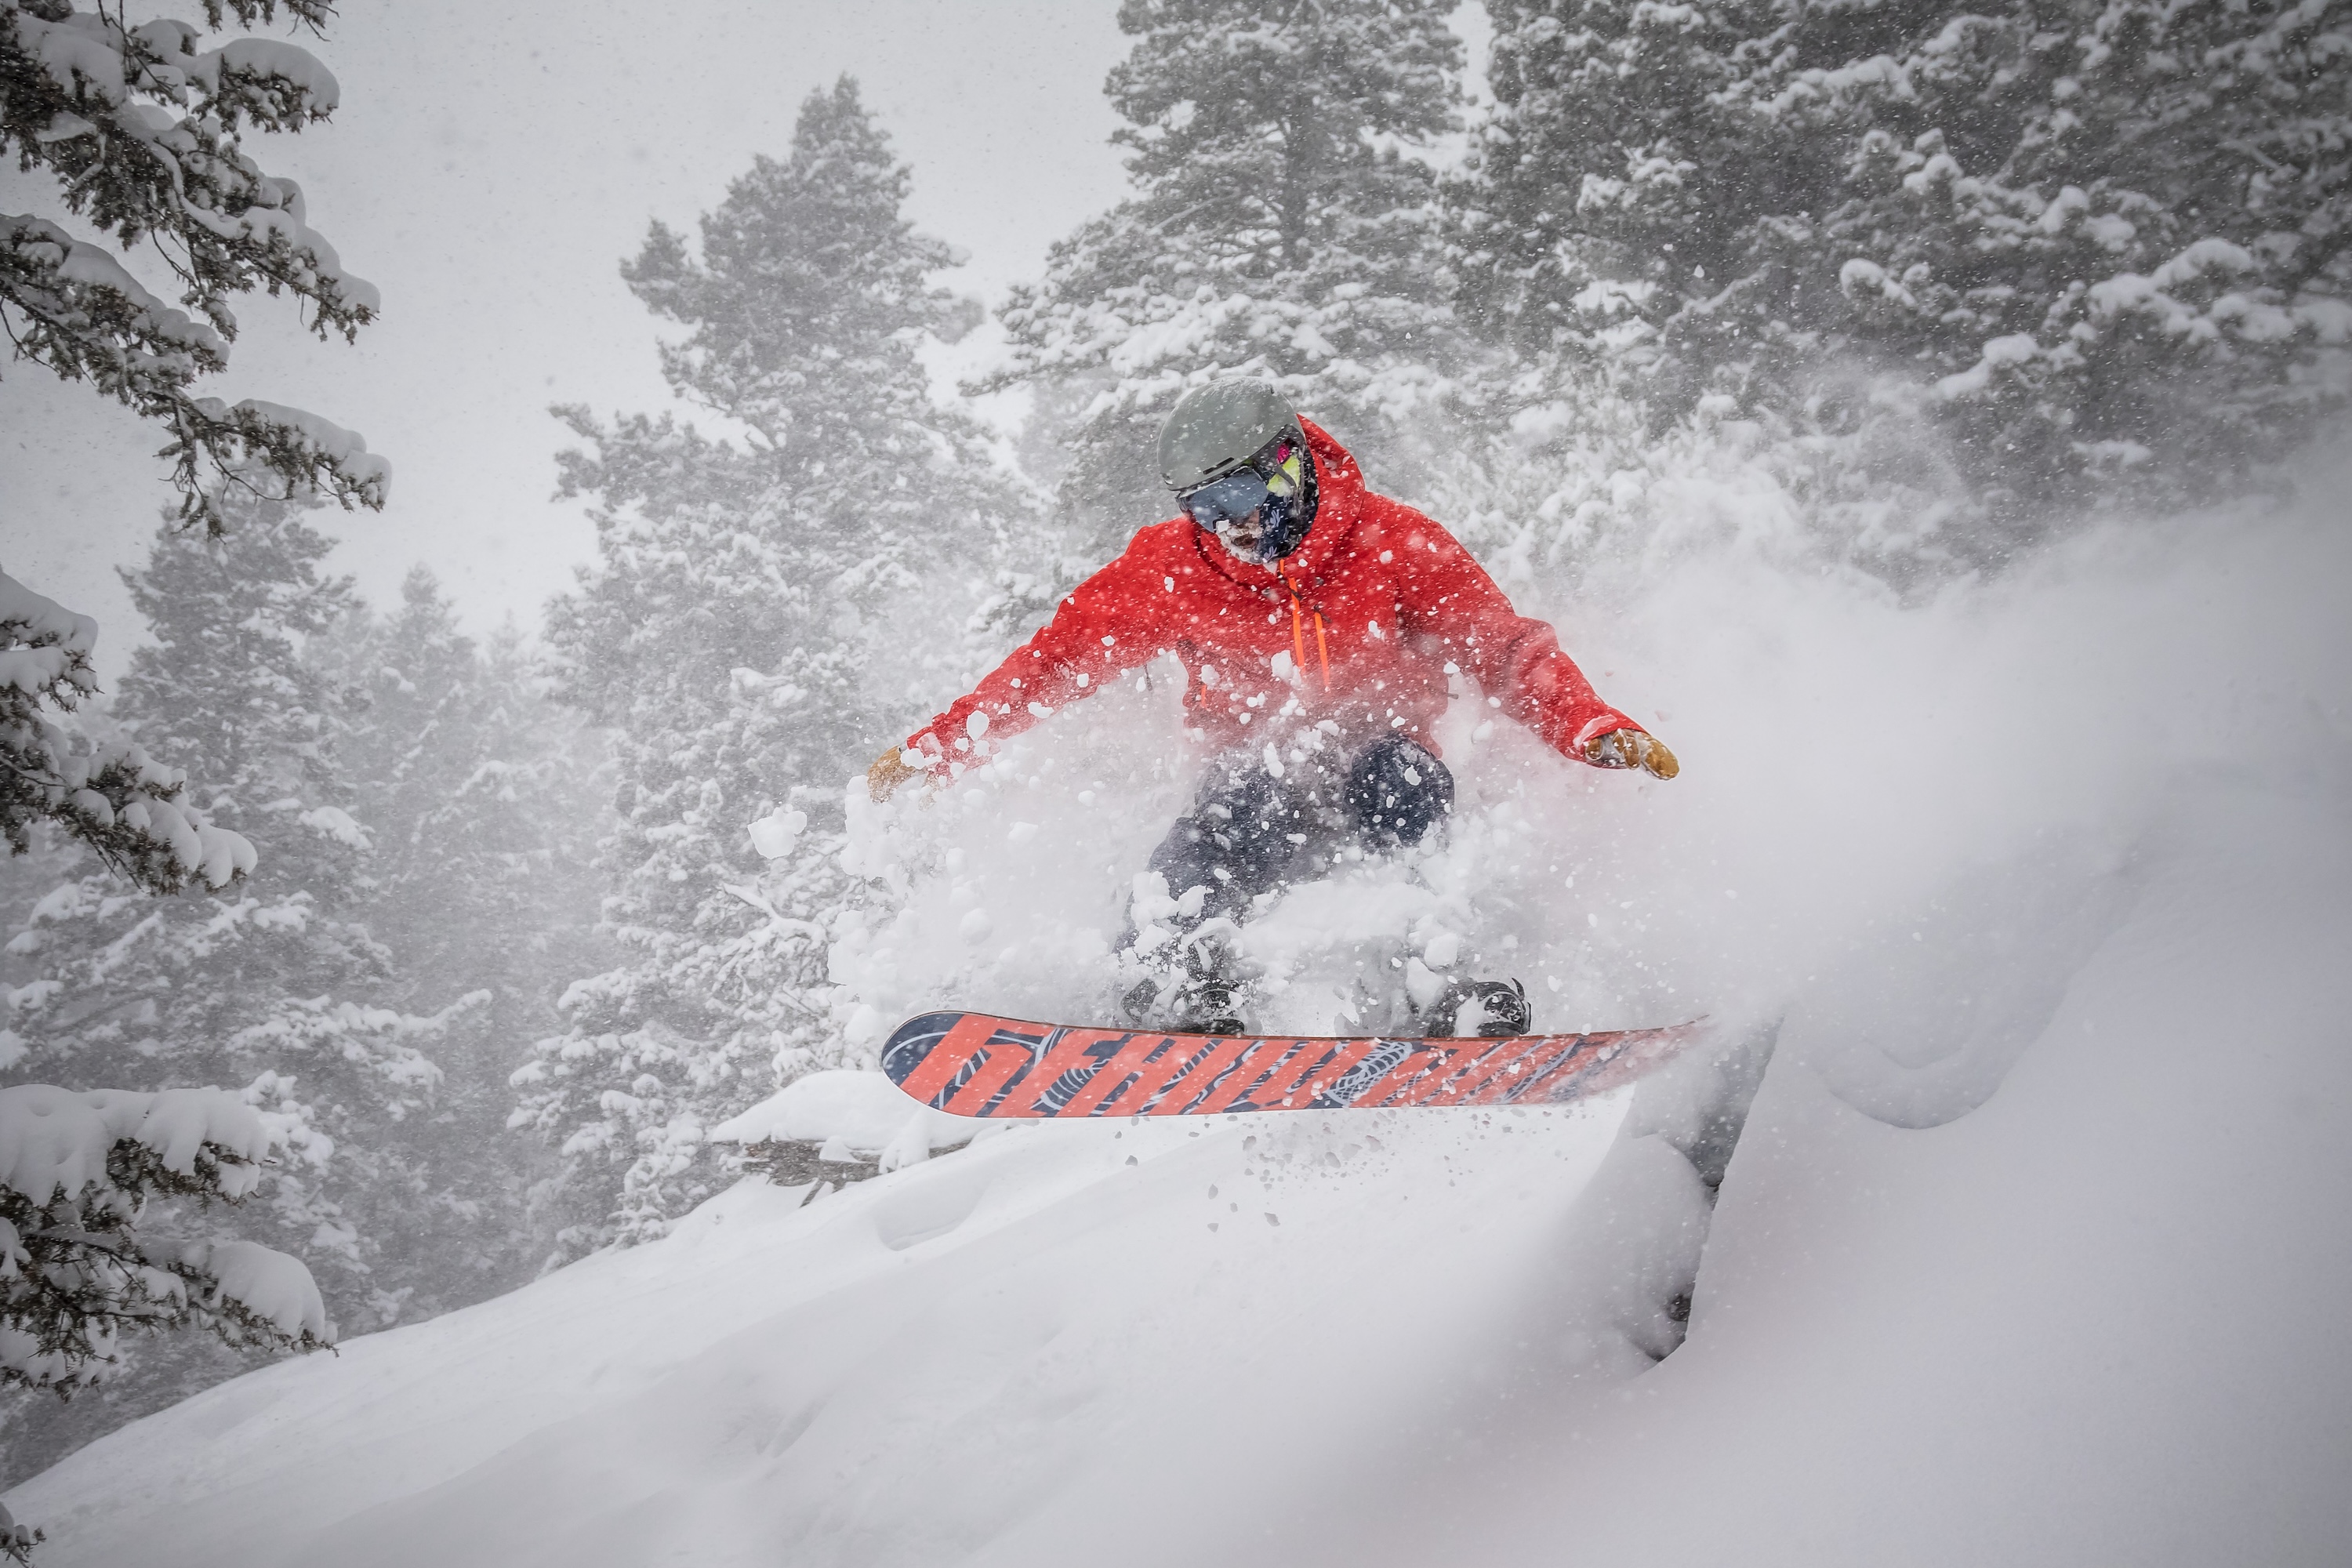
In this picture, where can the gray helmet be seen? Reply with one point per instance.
(1214, 429)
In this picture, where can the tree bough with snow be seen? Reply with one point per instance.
(109, 796)
(77, 1174)
(143, 131)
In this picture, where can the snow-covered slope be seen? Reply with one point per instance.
(2032, 1250)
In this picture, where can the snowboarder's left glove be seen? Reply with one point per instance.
(889, 771)
(1632, 749)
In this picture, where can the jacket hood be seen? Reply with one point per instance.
(1338, 503)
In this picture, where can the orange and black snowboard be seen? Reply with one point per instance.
(975, 1064)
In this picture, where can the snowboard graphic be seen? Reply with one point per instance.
(976, 1064)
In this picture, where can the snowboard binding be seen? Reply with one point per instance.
(1480, 1009)
(1202, 996)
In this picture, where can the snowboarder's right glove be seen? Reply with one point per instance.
(889, 771)
(1632, 749)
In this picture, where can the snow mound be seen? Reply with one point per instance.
(864, 1110)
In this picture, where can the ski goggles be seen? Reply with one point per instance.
(1276, 472)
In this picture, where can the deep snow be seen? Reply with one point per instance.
(2031, 1252)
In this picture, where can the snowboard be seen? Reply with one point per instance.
(980, 1065)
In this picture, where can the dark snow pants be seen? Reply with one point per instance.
(1249, 829)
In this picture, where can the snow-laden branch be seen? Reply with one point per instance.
(140, 129)
(76, 1171)
(109, 794)
(71, 306)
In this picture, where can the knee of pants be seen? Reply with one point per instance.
(1397, 790)
(1240, 824)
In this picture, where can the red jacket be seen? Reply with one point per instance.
(1357, 625)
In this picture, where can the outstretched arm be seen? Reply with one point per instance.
(1106, 625)
(1518, 660)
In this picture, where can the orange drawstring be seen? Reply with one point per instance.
(1298, 634)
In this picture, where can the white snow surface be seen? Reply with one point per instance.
(2032, 1251)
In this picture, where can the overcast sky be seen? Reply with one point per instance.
(488, 168)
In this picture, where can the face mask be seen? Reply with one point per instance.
(1275, 488)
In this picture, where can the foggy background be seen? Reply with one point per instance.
(489, 169)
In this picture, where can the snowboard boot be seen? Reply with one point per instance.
(1210, 1006)
(1503, 1008)
(1137, 1004)
(1495, 1009)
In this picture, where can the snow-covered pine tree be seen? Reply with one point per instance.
(274, 988)
(1612, 190)
(480, 796)
(143, 133)
(2086, 240)
(106, 1235)
(748, 637)
(1283, 224)
(2107, 241)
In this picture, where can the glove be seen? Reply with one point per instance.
(888, 772)
(1632, 748)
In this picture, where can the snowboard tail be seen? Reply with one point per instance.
(979, 1065)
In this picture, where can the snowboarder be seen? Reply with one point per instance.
(1317, 623)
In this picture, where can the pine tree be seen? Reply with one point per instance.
(2089, 242)
(1614, 188)
(744, 638)
(142, 133)
(2111, 239)
(478, 802)
(274, 988)
(1284, 225)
